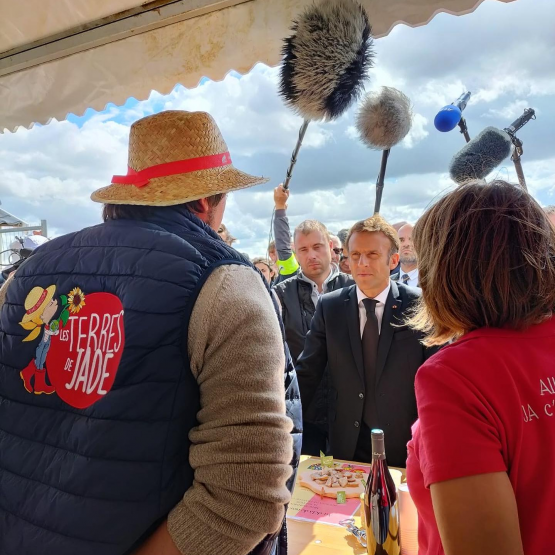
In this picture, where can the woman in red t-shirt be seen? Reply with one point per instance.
(480, 466)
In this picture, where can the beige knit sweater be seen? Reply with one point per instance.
(241, 449)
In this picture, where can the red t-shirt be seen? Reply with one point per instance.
(486, 403)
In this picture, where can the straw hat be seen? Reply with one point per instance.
(36, 302)
(175, 157)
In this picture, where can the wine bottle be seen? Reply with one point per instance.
(380, 504)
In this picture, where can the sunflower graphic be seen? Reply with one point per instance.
(76, 300)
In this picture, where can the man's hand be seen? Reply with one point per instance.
(281, 196)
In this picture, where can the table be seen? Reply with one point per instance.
(309, 538)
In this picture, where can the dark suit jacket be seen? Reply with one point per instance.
(334, 340)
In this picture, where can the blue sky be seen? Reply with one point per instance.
(118, 112)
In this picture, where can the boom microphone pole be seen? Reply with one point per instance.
(518, 151)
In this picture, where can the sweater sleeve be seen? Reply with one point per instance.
(287, 262)
(241, 448)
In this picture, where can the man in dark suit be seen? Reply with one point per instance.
(371, 354)
(298, 296)
(407, 271)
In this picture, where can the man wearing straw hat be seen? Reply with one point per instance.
(164, 430)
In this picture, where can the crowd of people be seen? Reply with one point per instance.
(157, 388)
(303, 267)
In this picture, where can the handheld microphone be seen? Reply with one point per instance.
(481, 155)
(449, 116)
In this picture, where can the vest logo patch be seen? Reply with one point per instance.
(79, 351)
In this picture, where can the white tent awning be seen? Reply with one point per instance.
(64, 56)
(9, 220)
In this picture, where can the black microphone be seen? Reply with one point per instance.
(521, 121)
(518, 124)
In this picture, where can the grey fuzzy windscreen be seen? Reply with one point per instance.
(481, 155)
(326, 59)
(384, 118)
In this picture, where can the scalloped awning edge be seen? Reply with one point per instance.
(231, 39)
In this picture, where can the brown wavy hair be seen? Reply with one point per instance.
(486, 258)
(372, 225)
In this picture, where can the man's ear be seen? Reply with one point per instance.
(394, 261)
(204, 206)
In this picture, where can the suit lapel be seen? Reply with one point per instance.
(353, 323)
(392, 315)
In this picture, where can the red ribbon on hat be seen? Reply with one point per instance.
(143, 177)
(39, 302)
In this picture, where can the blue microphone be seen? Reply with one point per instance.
(449, 116)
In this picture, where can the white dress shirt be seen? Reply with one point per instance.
(380, 307)
(413, 277)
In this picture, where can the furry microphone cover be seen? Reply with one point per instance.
(384, 118)
(481, 155)
(326, 59)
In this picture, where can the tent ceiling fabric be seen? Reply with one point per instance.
(210, 38)
(26, 21)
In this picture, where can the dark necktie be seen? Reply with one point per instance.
(370, 339)
(405, 279)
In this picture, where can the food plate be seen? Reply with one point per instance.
(328, 481)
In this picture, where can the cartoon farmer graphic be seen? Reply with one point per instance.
(40, 306)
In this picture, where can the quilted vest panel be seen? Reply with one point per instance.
(96, 393)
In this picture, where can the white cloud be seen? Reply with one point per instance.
(352, 133)
(417, 133)
(438, 93)
(48, 172)
(538, 175)
(249, 214)
(247, 107)
(509, 111)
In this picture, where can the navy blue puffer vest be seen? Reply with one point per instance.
(93, 449)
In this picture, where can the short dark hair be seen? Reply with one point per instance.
(137, 212)
(486, 258)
